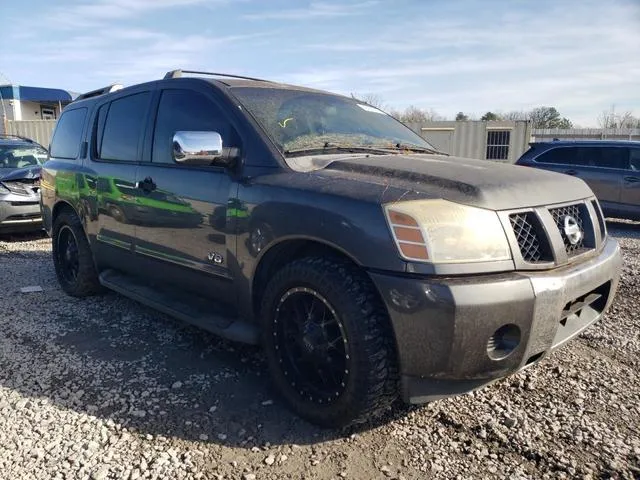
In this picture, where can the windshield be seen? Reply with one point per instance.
(20, 156)
(298, 120)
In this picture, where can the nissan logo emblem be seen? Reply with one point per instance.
(572, 230)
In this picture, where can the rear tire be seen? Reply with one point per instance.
(328, 341)
(72, 257)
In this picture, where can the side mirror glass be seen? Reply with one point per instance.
(199, 148)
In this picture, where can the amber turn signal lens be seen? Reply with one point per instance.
(413, 251)
(397, 218)
(408, 236)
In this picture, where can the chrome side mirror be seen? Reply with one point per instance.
(198, 148)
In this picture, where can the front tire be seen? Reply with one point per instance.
(328, 342)
(72, 257)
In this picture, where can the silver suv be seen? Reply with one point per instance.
(610, 168)
(20, 162)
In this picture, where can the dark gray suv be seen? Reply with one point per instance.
(368, 265)
(610, 168)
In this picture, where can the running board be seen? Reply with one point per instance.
(202, 313)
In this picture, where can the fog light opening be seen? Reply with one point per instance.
(503, 341)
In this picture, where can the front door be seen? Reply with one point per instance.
(182, 230)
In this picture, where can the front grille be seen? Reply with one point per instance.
(531, 239)
(578, 213)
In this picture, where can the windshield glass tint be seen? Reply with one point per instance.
(298, 119)
(20, 156)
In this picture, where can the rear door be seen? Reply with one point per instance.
(591, 164)
(182, 230)
(602, 168)
(115, 153)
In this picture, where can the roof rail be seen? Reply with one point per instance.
(178, 73)
(100, 91)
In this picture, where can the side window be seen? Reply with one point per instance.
(123, 127)
(561, 156)
(634, 160)
(612, 157)
(66, 139)
(186, 110)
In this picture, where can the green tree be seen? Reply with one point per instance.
(490, 116)
(548, 117)
(461, 117)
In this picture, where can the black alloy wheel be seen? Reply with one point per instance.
(311, 345)
(67, 253)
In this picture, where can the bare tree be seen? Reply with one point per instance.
(607, 118)
(372, 99)
(516, 115)
(627, 120)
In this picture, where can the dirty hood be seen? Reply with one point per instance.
(479, 183)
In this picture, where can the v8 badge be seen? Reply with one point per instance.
(215, 257)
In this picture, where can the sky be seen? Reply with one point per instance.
(581, 56)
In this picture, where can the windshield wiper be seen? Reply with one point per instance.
(331, 148)
(417, 148)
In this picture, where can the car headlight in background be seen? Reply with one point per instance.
(440, 231)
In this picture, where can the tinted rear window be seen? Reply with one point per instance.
(606, 157)
(123, 127)
(66, 139)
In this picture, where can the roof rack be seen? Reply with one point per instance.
(100, 91)
(178, 73)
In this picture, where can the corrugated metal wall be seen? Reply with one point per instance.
(38, 130)
(469, 139)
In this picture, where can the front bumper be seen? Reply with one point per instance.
(445, 327)
(18, 213)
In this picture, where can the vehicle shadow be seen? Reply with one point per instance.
(112, 358)
(22, 236)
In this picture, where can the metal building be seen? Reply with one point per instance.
(503, 141)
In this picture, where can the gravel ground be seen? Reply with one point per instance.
(105, 388)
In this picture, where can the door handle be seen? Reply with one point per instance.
(571, 172)
(631, 179)
(147, 185)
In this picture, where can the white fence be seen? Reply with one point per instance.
(547, 135)
(38, 130)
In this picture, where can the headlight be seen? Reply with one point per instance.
(3, 190)
(439, 231)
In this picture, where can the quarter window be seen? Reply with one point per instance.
(123, 127)
(498, 144)
(66, 139)
(562, 156)
(186, 110)
(634, 159)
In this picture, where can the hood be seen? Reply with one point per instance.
(26, 173)
(480, 183)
